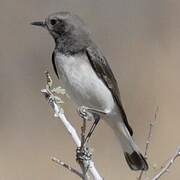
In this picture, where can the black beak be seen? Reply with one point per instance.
(39, 23)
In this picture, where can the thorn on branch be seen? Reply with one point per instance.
(48, 79)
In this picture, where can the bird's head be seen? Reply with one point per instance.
(65, 27)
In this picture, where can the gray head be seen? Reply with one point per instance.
(68, 30)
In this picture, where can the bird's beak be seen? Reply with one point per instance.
(39, 23)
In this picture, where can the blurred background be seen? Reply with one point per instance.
(141, 40)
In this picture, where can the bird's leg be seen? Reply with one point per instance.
(85, 114)
(90, 114)
(96, 120)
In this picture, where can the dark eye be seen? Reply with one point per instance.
(53, 21)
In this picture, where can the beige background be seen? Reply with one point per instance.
(140, 38)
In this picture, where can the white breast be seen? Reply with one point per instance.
(82, 83)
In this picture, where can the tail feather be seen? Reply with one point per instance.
(132, 154)
(136, 161)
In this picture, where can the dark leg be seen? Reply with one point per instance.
(90, 114)
(96, 121)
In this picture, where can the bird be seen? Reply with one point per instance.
(88, 78)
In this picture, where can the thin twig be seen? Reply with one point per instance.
(66, 166)
(151, 125)
(168, 165)
(83, 133)
(80, 159)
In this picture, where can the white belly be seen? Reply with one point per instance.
(82, 83)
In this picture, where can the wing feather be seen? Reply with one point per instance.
(104, 72)
(53, 63)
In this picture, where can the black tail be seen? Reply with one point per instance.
(134, 158)
(136, 161)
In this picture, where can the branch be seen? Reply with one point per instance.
(82, 153)
(151, 125)
(66, 166)
(168, 165)
(55, 102)
(166, 168)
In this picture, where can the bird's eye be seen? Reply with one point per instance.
(53, 21)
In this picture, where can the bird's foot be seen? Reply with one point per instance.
(83, 156)
(85, 114)
(90, 113)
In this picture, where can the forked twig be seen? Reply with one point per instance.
(151, 125)
(168, 165)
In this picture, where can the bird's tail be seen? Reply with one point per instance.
(134, 158)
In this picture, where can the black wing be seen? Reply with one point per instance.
(104, 72)
(54, 65)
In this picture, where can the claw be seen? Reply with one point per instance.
(83, 112)
(83, 154)
(90, 114)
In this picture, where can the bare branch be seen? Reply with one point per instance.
(151, 125)
(80, 160)
(54, 101)
(168, 165)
